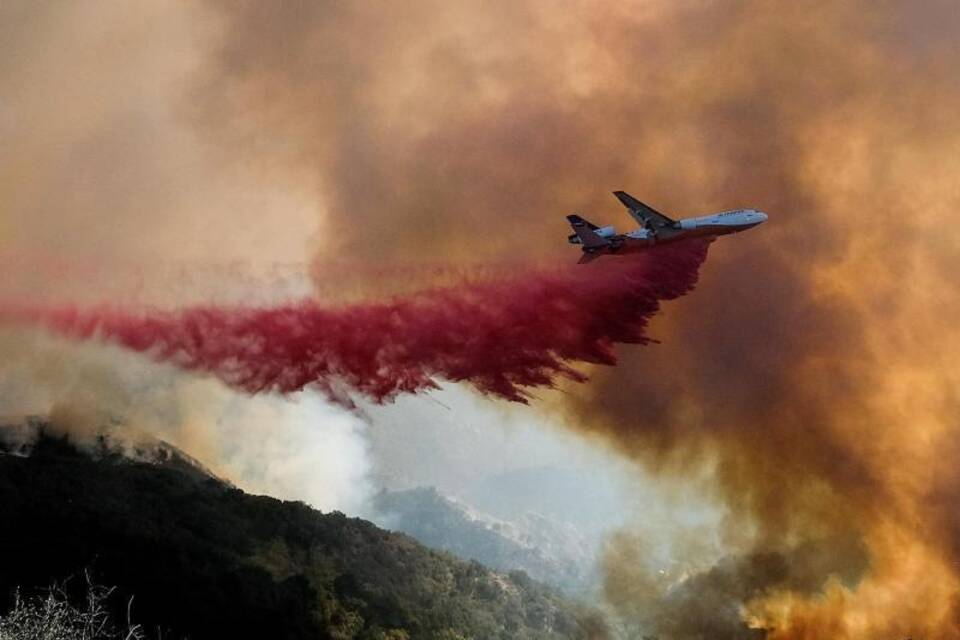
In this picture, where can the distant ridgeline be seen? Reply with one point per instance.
(205, 560)
(543, 548)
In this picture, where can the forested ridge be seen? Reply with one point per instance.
(203, 559)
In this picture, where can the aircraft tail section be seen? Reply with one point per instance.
(585, 232)
(587, 258)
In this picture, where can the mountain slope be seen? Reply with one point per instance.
(206, 560)
(545, 549)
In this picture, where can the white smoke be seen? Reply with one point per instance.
(297, 448)
(293, 447)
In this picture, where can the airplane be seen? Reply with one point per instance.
(655, 228)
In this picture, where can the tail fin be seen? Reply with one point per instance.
(585, 232)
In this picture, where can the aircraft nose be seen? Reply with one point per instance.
(761, 215)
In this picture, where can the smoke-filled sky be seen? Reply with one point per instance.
(807, 387)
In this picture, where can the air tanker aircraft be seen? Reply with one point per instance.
(655, 228)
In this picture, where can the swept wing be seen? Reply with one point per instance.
(646, 216)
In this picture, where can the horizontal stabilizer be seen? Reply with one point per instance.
(586, 231)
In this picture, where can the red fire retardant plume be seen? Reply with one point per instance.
(503, 335)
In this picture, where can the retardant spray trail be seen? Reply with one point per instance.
(503, 335)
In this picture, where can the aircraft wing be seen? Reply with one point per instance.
(645, 216)
(585, 231)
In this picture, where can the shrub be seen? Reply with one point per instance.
(54, 617)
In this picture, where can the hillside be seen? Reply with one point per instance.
(206, 560)
(543, 548)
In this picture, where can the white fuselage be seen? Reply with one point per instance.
(717, 224)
